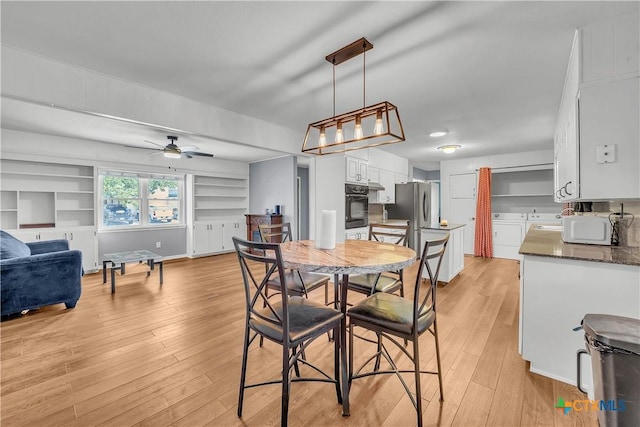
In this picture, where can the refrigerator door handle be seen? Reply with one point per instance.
(424, 206)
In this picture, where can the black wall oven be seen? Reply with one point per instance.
(356, 205)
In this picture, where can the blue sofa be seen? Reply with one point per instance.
(36, 274)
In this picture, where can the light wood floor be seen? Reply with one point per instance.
(151, 356)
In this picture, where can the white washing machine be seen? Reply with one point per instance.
(508, 233)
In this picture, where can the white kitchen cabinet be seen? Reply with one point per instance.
(388, 195)
(216, 236)
(453, 260)
(596, 146)
(401, 178)
(361, 233)
(373, 174)
(555, 295)
(356, 170)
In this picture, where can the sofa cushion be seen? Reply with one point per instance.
(10, 247)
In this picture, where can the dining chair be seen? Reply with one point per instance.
(291, 321)
(388, 282)
(298, 283)
(391, 316)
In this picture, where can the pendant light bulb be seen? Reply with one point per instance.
(322, 141)
(357, 134)
(339, 134)
(378, 129)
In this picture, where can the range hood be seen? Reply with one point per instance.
(374, 186)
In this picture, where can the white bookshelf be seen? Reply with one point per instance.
(46, 195)
(219, 197)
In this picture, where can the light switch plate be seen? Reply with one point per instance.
(606, 153)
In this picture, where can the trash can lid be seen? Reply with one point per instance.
(614, 331)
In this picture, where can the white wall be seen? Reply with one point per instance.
(273, 182)
(469, 165)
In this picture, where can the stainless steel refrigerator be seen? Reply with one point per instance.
(419, 202)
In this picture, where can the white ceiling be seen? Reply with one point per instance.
(491, 72)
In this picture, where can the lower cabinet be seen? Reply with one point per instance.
(453, 261)
(216, 236)
(83, 240)
(361, 233)
(555, 295)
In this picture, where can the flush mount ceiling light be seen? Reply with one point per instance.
(370, 126)
(438, 133)
(449, 148)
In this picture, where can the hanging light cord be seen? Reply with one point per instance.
(364, 73)
(334, 86)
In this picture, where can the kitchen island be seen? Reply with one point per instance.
(560, 283)
(453, 260)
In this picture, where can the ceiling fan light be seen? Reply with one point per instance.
(170, 155)
(449, 148)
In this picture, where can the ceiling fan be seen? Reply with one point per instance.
(172, 151)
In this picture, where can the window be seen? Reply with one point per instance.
(138, 200)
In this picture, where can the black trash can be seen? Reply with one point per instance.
(614, 345)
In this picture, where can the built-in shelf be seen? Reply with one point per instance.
(217, 197)
(523, 190)
(38, 194)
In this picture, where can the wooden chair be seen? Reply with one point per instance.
(298, 283)
(291, 321)
(391, 316)
(391, 281)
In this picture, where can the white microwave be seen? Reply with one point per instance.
(591, 230)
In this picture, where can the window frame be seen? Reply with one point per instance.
(143, 199)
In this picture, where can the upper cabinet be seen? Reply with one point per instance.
(356, 170)
(596, 147)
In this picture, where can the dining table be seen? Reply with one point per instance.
(346, 258)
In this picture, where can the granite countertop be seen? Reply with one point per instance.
(447, 227)
(548, 243)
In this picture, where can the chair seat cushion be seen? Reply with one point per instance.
(10, 247)
(364, 282)
(294, 285)
(306, 319)
(390, 313)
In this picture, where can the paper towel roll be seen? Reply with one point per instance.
(327, 236)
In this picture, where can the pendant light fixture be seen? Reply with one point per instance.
(370, 126)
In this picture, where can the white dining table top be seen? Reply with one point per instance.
(348, 257)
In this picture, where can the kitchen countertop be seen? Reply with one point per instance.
(392, 222)
(448, 227)
(548, 243)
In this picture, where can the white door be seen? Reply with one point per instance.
(462, 206)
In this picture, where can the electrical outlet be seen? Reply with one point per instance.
(158, 245)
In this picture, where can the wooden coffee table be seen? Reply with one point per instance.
(119, 259)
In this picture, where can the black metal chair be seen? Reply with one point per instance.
(389, 282)
(391, 316)
(298, 283)
(293, 322)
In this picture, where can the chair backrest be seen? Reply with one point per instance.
(432, 254)
(396, 234)
(276, 233)
(251, 255)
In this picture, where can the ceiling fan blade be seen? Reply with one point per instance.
(196, 153)
(189, 148)
(154, 143)
(144, 148)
